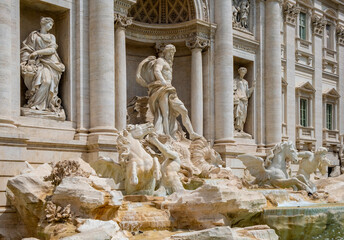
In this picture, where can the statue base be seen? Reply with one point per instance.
(60, 116)
(242, 135)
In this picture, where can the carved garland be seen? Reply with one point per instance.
(340, 34)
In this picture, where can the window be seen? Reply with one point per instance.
(328, 36)
(329, 116)
(304, 112)
(302, 26)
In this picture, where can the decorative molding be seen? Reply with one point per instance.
(122, 6)
(340, 35)
(291, 11)
(319, 24)
(180, 32)
(122, 21)
(197, 42)
(163, 11)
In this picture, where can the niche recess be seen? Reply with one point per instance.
(30, 14)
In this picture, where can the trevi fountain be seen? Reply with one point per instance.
(171, 120)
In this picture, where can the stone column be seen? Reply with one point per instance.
(340, 52)
(291, 12)
(273, 83)
(5, 64)
(102, 77)
(121, 22)
(319, 24)
(224, 123)
(196, 45)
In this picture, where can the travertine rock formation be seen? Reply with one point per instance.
(334, 186)
(218, 200)
(260, 232)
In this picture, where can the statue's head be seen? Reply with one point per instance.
(242, 71)
(47, 23)
(169, 52)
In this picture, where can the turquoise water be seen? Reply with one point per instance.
(316, 222)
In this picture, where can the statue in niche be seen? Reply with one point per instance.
(41, 69)
(156, 75)
(241, 11)
(241, 95)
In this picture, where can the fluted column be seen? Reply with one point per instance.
(291, 12)
(319, 24)
(102, 82)
(121, 22)
(196, 45)
(224, 124)
(273, 85)
(5, 64)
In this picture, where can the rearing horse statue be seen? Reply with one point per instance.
(275, 172)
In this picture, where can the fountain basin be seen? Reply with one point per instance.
(318, 221)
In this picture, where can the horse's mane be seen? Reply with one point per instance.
(275, 150)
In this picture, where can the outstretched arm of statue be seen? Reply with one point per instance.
(46, 51)
(252, 88)
(158, 71)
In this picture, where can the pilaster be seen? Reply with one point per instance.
(291, 12)
(318, 25)
(340, 50)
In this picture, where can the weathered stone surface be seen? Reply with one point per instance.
(260, 232)
(85, 200)
(27, 194)
(334, 186)
(217, 233)
(216, 203)
(98, 230)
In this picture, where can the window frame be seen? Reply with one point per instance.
(302, 35)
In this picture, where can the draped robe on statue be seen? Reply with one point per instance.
(41, 75)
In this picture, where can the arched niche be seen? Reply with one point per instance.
(165, 21)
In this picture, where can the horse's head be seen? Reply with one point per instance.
(323, 161)
(139, 131)
(288, 149)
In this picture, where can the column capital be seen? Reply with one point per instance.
(291, 11)
(122, 6)
(197, 42)
(319, 24)
(122, 21)
(340, 35)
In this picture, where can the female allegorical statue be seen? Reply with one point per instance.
(41, 69)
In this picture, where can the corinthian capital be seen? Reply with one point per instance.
(122, 21)
(319, 24)
(197, 42)
(291, 11)
(340, 34)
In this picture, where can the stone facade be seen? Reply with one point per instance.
(292, 49)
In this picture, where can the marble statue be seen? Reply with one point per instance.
(141, 170)
(274, 171)
(41, 69)
(310, 162)
(241, 95)
(170, 180)
(241, 11)
(156, 75)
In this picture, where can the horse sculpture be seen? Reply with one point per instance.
(139, 170)
(275, 173)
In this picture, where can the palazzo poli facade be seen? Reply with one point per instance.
(251, 73)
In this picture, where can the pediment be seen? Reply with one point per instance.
(305, 86)
(306, 2)
(331, 92)
(331, 13)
